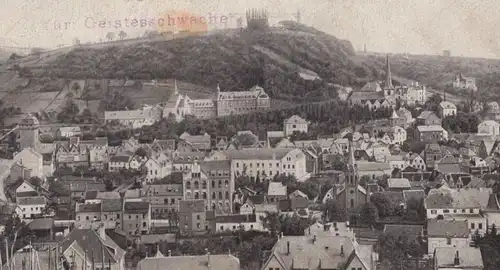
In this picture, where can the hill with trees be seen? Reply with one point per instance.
(287, 61)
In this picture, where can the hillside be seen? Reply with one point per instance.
(438, 71)
(287, 61)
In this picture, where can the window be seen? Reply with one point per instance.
(198, 217)
(213, 183)
(220, 195)
(204, 184)
(433, 211)
(188, 185)
(196, 185)
(472, 226)
(480, 226)
(198, 225)
(220, 183)
(446, 211)
(226, 183)
(213, 195)
(471, 210)
(448, 241)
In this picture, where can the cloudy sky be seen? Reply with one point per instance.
(466, 27)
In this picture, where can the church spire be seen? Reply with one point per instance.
(388, 77)
(351, 161)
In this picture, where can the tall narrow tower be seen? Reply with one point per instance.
(352, 181)
(388, 76)
(29, 131)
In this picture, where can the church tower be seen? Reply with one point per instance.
(353, 199)
(388, 87)
(29, 131)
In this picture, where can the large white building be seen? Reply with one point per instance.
(295, 123)
(265, 163)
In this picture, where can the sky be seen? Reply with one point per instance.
(465, 27)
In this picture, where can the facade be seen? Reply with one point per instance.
(432, 154)
(489, 127)
(264, 163)
(163, 197)
(145, 116)
(69, 132)
(117, 163)
(294, 123)
(446, 108)
(432, 133)
(29, 132)
(136, 217)
(157, 167)
(224, 103)
(31, 160)
(192, 217)
(30, 207)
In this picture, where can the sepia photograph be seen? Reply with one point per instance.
(249, 135)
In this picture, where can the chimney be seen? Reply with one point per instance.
(169, 253)
(342, 250)
(314, 239)
(287, 247)
(457, 259)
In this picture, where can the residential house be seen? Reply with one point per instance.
(134, 119)
(431, 154)
(183, 161)
(428, 118)
(221, 185)
(88, 249)
(324, 252)
(446, 108)
(469, 258)
(294, 124)
(488, 127)
(68, 132)
(190, 143)
(238, 222)
(373, 169)
(398, 184)
(157, 167)
(415, 160)
(200, 262)
(431, 133)
(111, 212)
(257, 204)
(117, 163)
(192, 217)
(276, 192)
(459, 204)
(164, 197)
(87, 214)
(136, 217)
(98, 153)
(330, 228)
(396, 162)
(31, 160)
(447, 233)
(30, 207)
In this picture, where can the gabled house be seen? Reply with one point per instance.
(88, 249)
(294, 124)
(428, 118)
(189, 143)
(323, 252)
(446, 108)
(447, 233)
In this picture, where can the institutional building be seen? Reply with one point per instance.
(222, 104)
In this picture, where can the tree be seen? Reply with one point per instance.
(141, 152)
(69, 112)
(35, 181)
(333, 212)
(272, 222)
(110, 36)
(122, 35)
(384, 204)
(369, 214)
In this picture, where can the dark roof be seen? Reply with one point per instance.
(235, 218)
(443, 228)
(91, 244)
(493, 203)
(112, 205)
(136, 207)
(91, 194)
(41, 224)
(91, 207)
(191, 206)
(119, 159)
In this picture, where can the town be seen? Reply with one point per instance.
(392, 174)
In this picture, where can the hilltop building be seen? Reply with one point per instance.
(222, 104)
(375, 96)
(462, 82)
